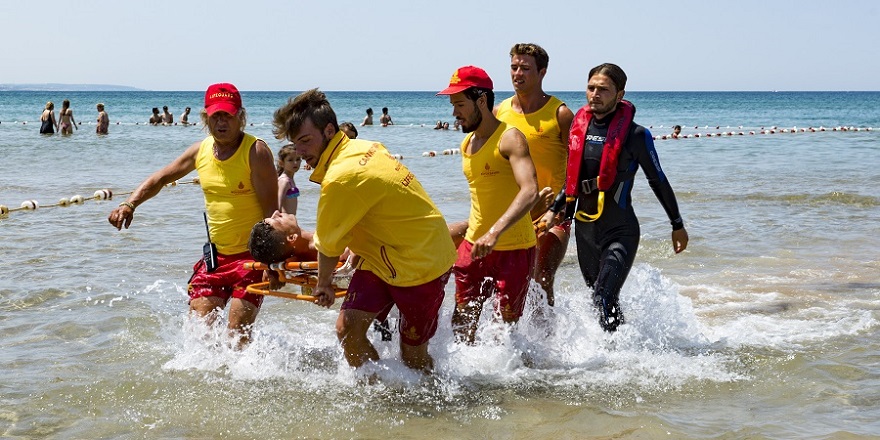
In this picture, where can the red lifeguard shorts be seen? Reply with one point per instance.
(229, 280)
(419, 306)
(508, 274)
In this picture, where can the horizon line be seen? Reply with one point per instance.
(136, 89)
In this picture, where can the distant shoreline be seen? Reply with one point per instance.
(53, 87)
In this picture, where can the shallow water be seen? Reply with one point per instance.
(767, 326)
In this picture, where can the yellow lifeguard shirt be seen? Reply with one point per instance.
(373, 204)
(230, 199)
(541, 128)
(493, 189)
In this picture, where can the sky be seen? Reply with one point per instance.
(287, 45)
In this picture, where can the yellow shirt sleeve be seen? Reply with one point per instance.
(337, 219)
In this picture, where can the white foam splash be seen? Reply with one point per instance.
(665, 343)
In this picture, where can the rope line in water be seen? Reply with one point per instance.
(762, 130)
(101, 194)
(107, 194)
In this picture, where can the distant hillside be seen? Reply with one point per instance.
(52, 87)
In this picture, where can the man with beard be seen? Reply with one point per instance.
(545, 121)
(372, 204)
(498, 252)
(606, 149)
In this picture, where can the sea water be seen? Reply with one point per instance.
(767, 326)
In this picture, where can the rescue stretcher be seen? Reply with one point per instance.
(298, 273)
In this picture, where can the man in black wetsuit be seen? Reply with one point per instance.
(606, 148)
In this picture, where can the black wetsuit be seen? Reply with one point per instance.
(607, 247)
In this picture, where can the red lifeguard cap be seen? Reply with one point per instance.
(465, 78)
(222, 97)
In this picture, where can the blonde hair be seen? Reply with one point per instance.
(100, 106)
(50, 105)
(283, 153)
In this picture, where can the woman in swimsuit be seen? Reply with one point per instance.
(48, 125)
(67, 121)
(103, 120)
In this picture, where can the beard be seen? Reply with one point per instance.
(473, 122)
(603, 109)
(312, 161)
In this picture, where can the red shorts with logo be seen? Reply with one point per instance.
(509, 273)
(419, 306)
(229, 280)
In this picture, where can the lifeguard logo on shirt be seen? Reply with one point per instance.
(538, 133)
(412, 334)
(408, 179)
(241, 189)
(488, 171)
(367, 156)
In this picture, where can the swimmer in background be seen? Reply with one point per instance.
(103, 120)
(67, 120)
(349, 129)
(156, 119)
(368, 120)
(676, 131)
(184, 118)
(288, 164)
(48, 124)
(439, 125)
(167, 117)
(385, 119)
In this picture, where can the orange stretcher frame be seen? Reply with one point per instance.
(300, 273)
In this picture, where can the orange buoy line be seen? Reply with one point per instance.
(101, 194)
